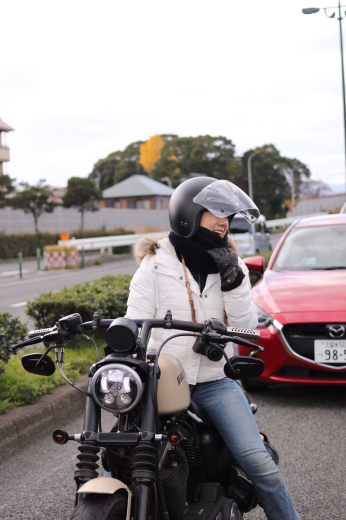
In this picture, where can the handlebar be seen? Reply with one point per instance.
(213, 325)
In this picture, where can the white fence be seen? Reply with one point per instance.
(64, 220)
(316, 204)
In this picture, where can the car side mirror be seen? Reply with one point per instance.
(245, 366)
(255, 263)
(45, 368)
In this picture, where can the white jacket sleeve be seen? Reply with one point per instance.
(239, 305)
(141, 303)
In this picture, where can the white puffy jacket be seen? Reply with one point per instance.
(159, 285)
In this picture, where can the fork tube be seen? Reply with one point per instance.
(92, 412)
(88, 451)
(145, 459)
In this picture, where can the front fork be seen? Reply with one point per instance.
(88, 456)
(145, 459)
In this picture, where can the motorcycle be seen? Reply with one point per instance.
(164, 457)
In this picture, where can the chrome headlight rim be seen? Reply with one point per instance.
(125, 368)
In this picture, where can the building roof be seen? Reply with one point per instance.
(137, 186)
(4, 127)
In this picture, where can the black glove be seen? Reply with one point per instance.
(226, 261)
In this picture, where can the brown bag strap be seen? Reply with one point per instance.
(193, 311)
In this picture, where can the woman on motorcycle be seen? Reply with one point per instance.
(196, 273)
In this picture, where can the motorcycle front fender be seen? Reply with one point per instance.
(107, 485)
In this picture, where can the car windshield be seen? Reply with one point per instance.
(313, 248)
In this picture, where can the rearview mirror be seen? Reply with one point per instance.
(247, 367)
(45, 368)
(255, 264)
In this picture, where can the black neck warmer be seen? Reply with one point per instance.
(195, 250)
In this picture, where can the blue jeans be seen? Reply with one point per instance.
(226, 404)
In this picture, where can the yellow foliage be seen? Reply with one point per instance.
(150, 152)
(176, 170)
(173, 158)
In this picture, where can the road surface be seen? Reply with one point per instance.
(306, 425)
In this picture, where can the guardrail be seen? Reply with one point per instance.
(98, 243)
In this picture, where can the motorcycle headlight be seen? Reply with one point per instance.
(264, 319)
(116, 388)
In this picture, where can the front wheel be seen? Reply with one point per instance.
(102, 507)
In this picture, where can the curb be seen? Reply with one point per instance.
(25, 424)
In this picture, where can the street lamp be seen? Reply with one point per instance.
(313, 10)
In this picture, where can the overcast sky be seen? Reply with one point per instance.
(81, 79)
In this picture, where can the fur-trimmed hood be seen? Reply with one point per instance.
(148, 244)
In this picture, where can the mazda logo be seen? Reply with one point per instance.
(336, 331)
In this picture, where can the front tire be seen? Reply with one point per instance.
(101, 507)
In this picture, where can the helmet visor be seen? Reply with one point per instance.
(223, 198)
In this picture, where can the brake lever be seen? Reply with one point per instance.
(245, 343)
(235, 339)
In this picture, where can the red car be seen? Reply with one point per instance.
(301, 302)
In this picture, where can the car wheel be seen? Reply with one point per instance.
(253, 386)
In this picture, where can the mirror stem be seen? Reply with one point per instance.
(44, 355)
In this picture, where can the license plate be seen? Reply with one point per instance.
(330, 350)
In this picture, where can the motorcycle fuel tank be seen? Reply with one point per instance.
(173, 394)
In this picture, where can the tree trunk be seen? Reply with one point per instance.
(36, 223)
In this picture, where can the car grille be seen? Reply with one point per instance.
(308, 373)
(301, 337)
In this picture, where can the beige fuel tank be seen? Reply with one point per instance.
(173, 389)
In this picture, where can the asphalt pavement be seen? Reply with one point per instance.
(305, 424)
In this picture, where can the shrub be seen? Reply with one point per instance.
(108, 296)
(18, 387)
(10, 245)
(11, 332)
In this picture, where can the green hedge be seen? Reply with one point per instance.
(108, 296)
(11, 245)
(11, 332)
(18, 387)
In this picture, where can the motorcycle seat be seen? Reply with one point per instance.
(199, 411)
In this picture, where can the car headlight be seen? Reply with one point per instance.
(116, 388)
(264, 319)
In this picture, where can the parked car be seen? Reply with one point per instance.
(301, 302)
(248, 243)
